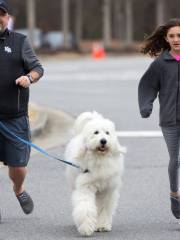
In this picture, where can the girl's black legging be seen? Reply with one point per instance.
(172, 139)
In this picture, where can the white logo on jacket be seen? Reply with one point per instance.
(7, 49)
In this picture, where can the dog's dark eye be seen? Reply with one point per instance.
(107, 133)
(96, 132)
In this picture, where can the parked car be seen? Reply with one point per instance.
(55, 40)
(37, 36)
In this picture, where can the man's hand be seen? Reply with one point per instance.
(23, 81)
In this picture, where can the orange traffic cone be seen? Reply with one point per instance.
(98, 51)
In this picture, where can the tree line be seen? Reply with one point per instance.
(120, 21)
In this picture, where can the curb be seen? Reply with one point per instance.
(37, 126)
(50, 127)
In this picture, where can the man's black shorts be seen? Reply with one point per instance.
(13, 152)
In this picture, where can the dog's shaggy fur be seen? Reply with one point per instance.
(96, 150)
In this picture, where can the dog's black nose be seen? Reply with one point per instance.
(103, 141)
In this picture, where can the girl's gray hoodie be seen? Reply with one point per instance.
(163, 79)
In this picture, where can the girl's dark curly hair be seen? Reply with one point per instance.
(155, 43)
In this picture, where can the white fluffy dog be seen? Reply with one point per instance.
(96, 150)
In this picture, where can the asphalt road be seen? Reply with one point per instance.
(109, 87)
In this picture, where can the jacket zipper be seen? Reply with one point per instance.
(18, 99)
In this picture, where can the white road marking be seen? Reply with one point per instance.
(90, 76)
(138, 134)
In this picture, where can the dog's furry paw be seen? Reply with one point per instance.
(86, 229)
(104, 228)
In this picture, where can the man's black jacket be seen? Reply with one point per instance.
(16, 59)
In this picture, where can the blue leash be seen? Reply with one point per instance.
(35, 146)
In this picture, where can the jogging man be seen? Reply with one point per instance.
(19, 68)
